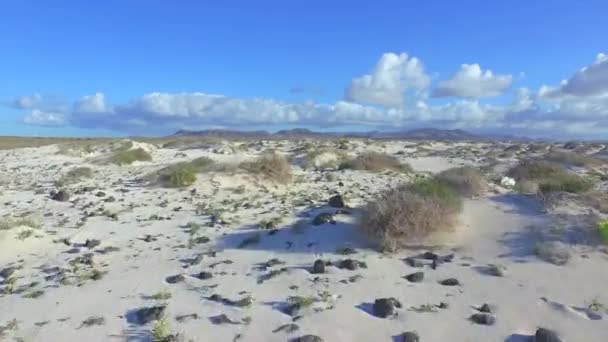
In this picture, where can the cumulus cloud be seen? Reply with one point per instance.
(472, 82)
(41, 118)
(589, 81)
(388, 82)
(374, 101)
(27, 101)
(91, 104)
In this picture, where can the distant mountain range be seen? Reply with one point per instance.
(302, 133)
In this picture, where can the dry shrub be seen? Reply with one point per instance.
(75, 175)
(550, 177)
(466, 181)
(127, 157)
(182, 174)
(573, 159)
(375, 162)
(409, 213)
(597, 200)
(272, 166)
(324, 158)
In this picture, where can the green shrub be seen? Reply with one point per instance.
(409, 213)
(272, 166)
(550, 177)
(574, 159)
(75, 175)
(375, 162)
(127, 157)
(565, 183)
(465, 180)
(181, 175)
(602, 228)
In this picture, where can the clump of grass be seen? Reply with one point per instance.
(75, 175)
(161, 330)
(375, 162)
(466, 181)
(9, 326)
(162, 295)
(8, 223)
(181, 175)
(602, 229)
(324, 158)
(410, 212)
(550, 177)
(573, 159)
(270, 223)
(24, 234)
(272, 166)
(554, 252)
(301, 301)
(127, 157)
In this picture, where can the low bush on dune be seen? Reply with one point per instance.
(270, 165)
(410, 212)
(573, 159)
(324, 158)
(75, 175)
(550, 177)
(375, 162)
(183, 174)
(127, 157)
(466, 181)
(602, 229)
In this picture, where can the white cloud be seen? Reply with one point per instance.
(391, 78)
(472, 82)
(41, 118)
(91, 104)
(27, 101)
(553, 111)
(589, 81)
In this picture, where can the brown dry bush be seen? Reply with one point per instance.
(410, 213)
(375, 162)
(573, 159)
(272, 166)
(466, 181)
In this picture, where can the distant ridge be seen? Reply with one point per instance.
(303, 133)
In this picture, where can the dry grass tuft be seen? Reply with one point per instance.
(375, 162)
(270, 165)
(127, 157)
(410, 213)
(550, 177)
(573, 159)
(466, 181)
(182, 174)
(75, 175)
(324, 158)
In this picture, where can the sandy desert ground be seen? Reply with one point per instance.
(117, 256)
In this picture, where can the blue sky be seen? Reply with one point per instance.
(151, 67)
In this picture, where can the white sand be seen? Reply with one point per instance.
(498, 228)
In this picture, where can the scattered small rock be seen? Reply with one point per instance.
(337, 201)
(149, 314)
(450, 282)
(415, 277)
(385, 307)
(318, 267)
(410, 336)
(483, 318)
(323, 218)
(60, 196)
(175, 279)
(308, 338)
(546, 335)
